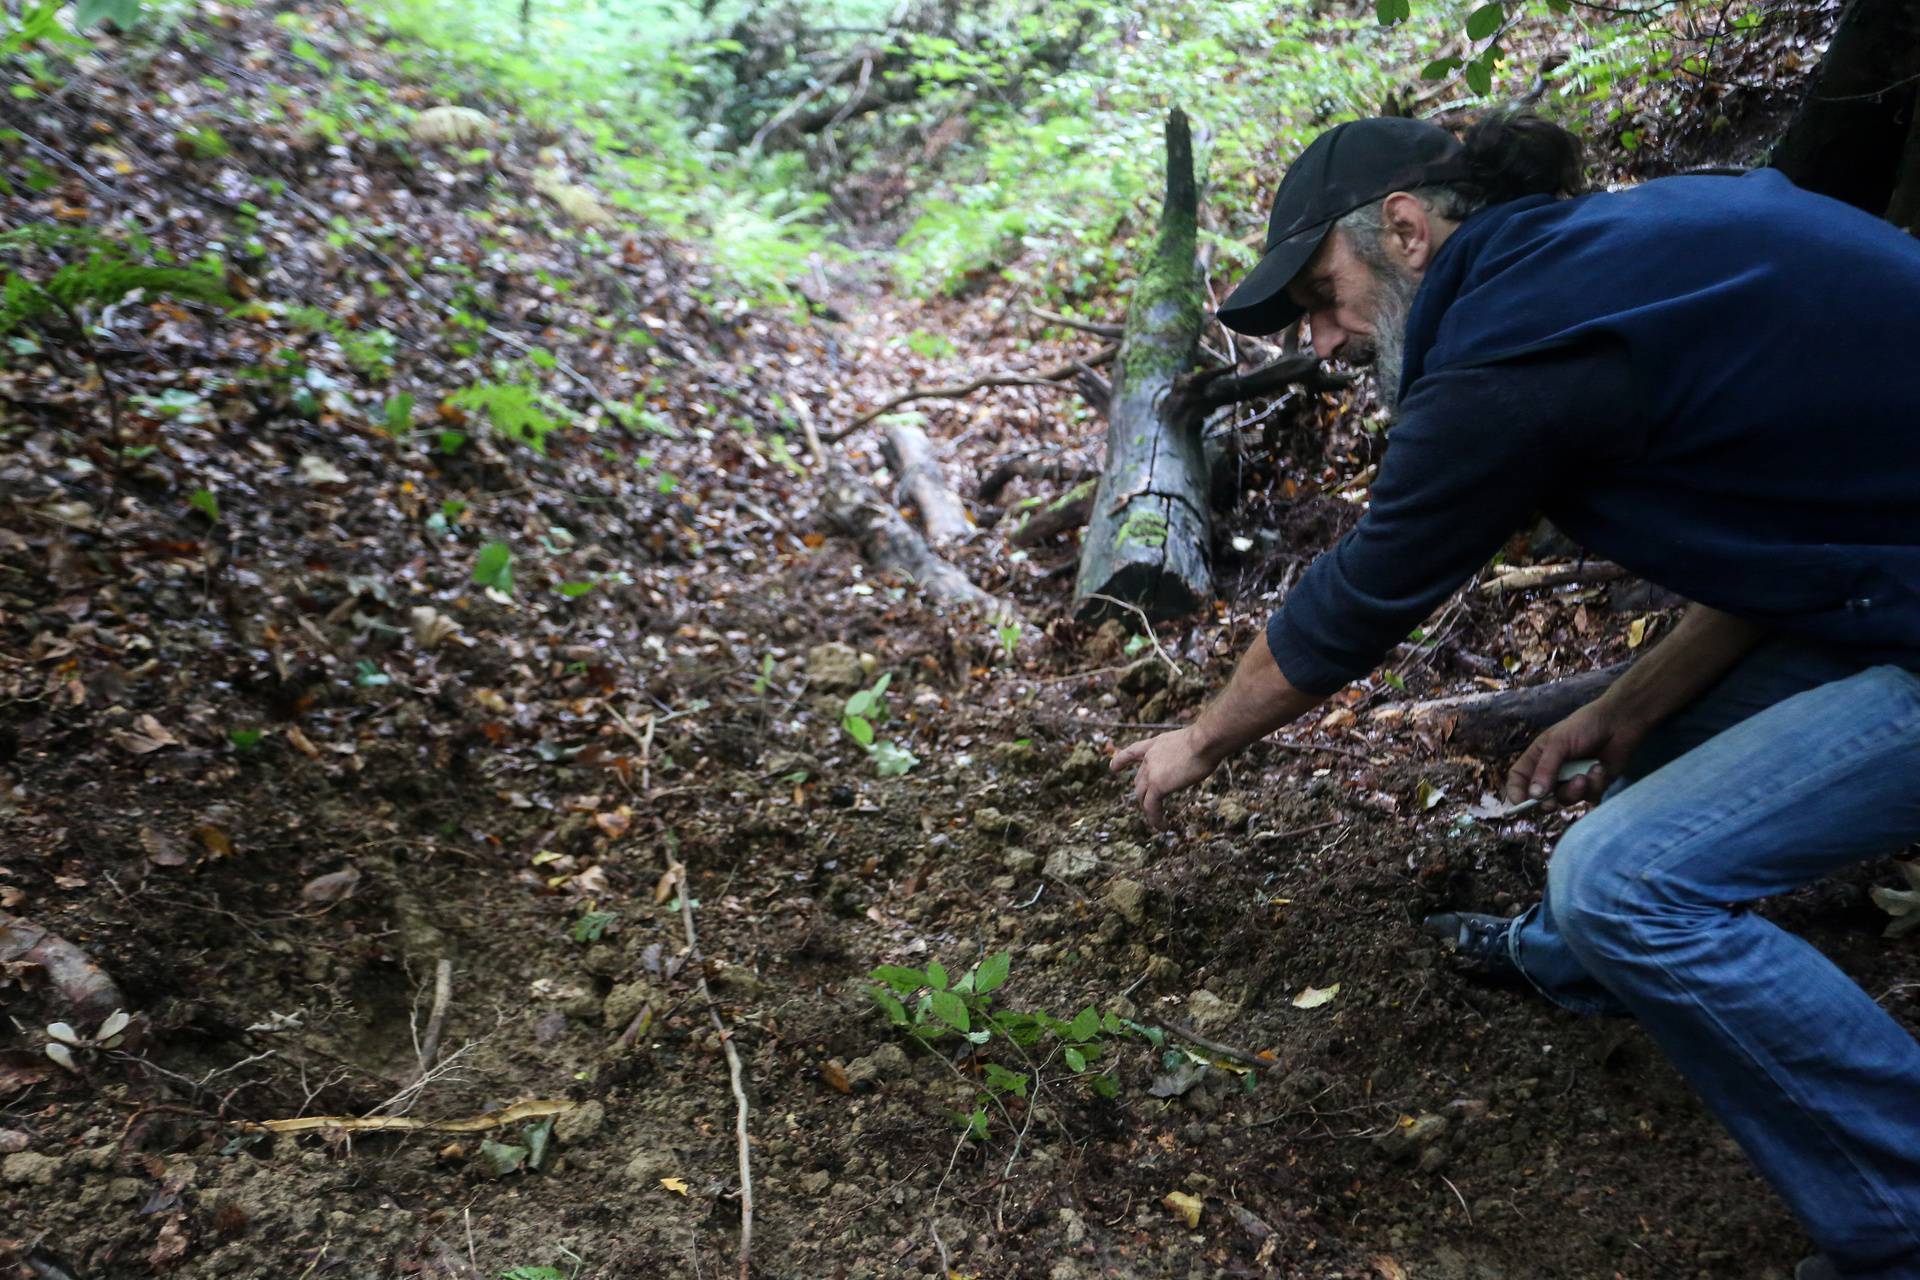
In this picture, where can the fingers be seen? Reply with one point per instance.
(1129, 756)
(1546, 769)
(1587, 786)
(1521, 774)
(1150, 799)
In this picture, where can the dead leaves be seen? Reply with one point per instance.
(146, 736)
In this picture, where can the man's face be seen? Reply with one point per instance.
(1357, 308)
(1337, 290)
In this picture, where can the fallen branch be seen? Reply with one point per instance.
(535, 1109)
(437, 1020)
(1497, 723)
(889, 542)
(1214, 1047)
(1109, 331)
(1535, 576)
(1209, 389)
(734, 1072)
(1057, 377)
(1011, 469)
(910, 456)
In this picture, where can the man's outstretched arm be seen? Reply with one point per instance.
(1258, 700)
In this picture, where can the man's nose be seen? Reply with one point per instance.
(1327, 336)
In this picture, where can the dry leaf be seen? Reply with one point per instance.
(836, 1075)
(332, 887)
(303, 743)
(1387, 1269)
(577, 202)
(214, 840)
(615, 824)
(315, 469)
(1314, 997)
(430, 626)
(1636, 633)
(146, 735)
(663, 889)
(1186, 1206)
(162, 851)
(674, 1185)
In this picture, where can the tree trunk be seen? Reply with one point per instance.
(1850, 139)
(1149, 536)
(919, 475)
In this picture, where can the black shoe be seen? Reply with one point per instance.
(1478, 939)
(1815, 1268)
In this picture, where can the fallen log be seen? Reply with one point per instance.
(1068, 511)
(1149, 536)
(910, 456)
(890, 543)
(1493, 724)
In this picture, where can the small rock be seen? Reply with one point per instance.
(1161, 969)
(834, 667)
(29, 1169)
(1020, 862)
(625, 1001)
(1084, 764)
(12, 1140)
(1020, 755)
(1070, 863)
(889, 1060)
(1125, 855)
(1410, 1139)
(580, 1123)
(735, 979)
(1074, 1225)
(1233, 815)
(647, 1168)
(995, 823)
(1107, 643)
(816, 1183)
(1208, 1011)
(1128, 898)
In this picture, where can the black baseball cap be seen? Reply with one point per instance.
(1348, 166)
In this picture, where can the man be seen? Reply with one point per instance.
(1711, 380)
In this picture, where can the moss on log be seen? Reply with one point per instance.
(1148, 538)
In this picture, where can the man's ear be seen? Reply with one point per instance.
(1409, 230)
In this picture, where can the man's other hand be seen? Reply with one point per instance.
(1168, 763)
(1595, 731)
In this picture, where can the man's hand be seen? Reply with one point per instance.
(1168, 763)
(1595, 731)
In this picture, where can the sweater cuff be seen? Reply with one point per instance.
(1305, 670)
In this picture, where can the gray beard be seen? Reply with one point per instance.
(1393, 301)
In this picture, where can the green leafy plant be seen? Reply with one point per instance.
(864, 709)
(203, 501)
(930, 1005)
(493, 568)
(592, 926)
(515, 410)
(106, 274)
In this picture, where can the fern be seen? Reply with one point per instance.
(516, 411)
(105, 275)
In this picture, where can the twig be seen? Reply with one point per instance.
(1055, 377)
(1146, 622)
(1191, 1036)
(734, 1071)
(1069, 322)
(805, 414)
(437, 1020)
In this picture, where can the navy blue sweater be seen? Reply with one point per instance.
(1710, 380)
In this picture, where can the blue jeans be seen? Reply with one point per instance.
(1796, 764)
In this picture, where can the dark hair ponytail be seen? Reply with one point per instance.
(1513, 153)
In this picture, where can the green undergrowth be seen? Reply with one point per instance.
(613, 72)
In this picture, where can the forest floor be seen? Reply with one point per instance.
(272, 758)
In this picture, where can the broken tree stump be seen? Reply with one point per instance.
(910, 456)
(1147, 541)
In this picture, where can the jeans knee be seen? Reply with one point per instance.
(1594, 894)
